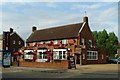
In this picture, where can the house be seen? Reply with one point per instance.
(12, 41)
(58, 44)
(73, 39)
(16, 42)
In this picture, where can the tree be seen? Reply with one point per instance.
(95, 35)
(102, 37)
(106, 41)
(111, 44)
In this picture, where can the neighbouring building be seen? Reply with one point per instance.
(59, 43)
(16, 42)
(12, 41)
(1, 42)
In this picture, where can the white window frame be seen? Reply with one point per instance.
(19, 42)
(14, 41)
(41, 42)
(28, 56)
(38, 54)
(92, 55)
(102, 56)
(55, 42)
(90, 41)
(34, 43)
(83, 55)
(56, 56)
(64, 41)
(82, 41)
(47, 42)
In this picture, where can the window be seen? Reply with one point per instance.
(92, 55)
(64, 41)
(41, 42)
(90, 43)
(82, 41)
(60, 54)
(64, 54)
(45, 56)
(13, 41)
(34, 43)
(27, 56)
(55, 42)
(102, 56)
(56, 55)
(42, 56)
(19, 42)
(83, 56)
(47, 42)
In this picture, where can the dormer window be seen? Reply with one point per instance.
(55, 42)
(64, 41)
(41, 42)
(82, 41)
(47, 42)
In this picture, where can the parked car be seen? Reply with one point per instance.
(118, 60)
(114, 61)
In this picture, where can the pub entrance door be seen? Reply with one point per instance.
(77, 58)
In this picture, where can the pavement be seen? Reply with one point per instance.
(107, 68)
(45, 70)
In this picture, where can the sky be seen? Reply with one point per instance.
(22, 16)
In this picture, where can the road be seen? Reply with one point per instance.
(87, 71)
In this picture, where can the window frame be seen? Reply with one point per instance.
(64, 41)
(92, 55)
(55, 42)
(82, 42)
(90, 43)
(14, 41)
(19, 42)
(56, 56)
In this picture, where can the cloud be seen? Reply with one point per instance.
(59, 0)
(23, 16)
(84, 6)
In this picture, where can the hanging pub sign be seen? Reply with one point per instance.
(78, 50)
(6, 58)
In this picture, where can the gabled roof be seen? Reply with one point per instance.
(61, 32)
(14, 33)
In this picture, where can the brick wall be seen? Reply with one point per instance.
(100, 60)
(56, 64)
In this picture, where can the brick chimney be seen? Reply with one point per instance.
(85, 19)
(34, 29)
(11, 30)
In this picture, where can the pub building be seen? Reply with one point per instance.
(59, 43)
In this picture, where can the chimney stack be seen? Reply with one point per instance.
(85, 19)
(11, 30)
(34, 29)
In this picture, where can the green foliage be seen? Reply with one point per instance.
(106, 41)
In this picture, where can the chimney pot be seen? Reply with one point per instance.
(11, 30)
(85, 19)
(34, 29)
